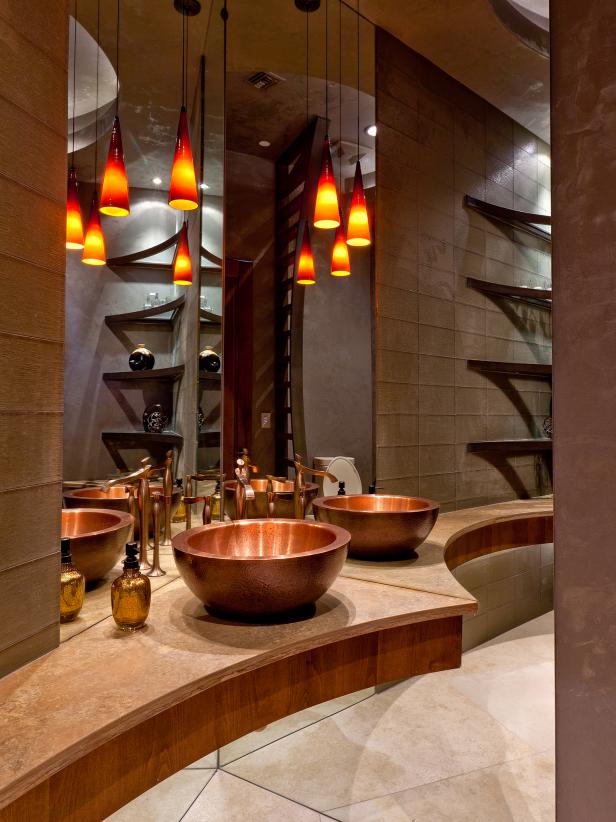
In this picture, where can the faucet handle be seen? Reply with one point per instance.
(315, 472)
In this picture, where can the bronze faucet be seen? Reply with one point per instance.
(299, 487)
(141, 476)
(271, 494)
(155, 569)
(251, 469)
(189, 499)
(244, 492)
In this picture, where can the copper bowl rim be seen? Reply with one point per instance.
(309, 486)
(429, 504)
(122, 516)
(341, 539)
(74, 493)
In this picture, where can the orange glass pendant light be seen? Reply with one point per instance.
(74, 223)
(326, 209)
(182, 265)
(94, 245)
(114, 194)
(358, 232)
(305, 269)
(341, 265)
(183, 185)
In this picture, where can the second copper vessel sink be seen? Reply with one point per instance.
(98, 537)
(382, 526)
(257, 508)
(115, 498)
(257, 568)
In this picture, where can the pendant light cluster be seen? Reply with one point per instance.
(114, 199)
(328, 211)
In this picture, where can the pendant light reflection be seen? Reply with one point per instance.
(94, 245)
(114, 193)
(341, 264)
(358, 233)
(74, 222)
(183, 186)
(326, 209)
(305, 268)
(182, 265)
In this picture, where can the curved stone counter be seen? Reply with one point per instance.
(106, 715)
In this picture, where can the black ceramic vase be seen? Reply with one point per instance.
(209, 361)
(155, 419)
(141, 359)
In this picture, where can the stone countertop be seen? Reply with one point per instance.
(101, 682)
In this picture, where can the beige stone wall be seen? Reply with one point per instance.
(437, 141)
(33, 83)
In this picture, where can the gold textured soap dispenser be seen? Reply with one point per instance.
(72, 584)
(131, 593)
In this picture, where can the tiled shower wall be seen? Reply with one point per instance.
(438, 141)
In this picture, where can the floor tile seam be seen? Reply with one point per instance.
(297, 730)
(274, 793)
(212, 775)
(436, 781)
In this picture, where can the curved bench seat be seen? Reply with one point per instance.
(102, 718)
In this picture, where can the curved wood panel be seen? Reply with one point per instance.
(121, 713)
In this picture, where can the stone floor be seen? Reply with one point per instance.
(472, 745)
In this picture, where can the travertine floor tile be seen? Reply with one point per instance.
(518, 791)
(415, 732)
(228, 799)
(209, 761)
(277, 730)
(167, 801)
(522, 700)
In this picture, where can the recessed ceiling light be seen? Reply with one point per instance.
(370, 131)
(157, 181)
(203, 186)
(264, 143)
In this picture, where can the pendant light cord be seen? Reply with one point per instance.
(183, 57)
(98, 51)
(307, 64)
(326, 72)
(74, 79)
(117, 58)
(358, 17)
(186, 65)
(340, 97)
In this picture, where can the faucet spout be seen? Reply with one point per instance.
(243, 489)
(299, 487)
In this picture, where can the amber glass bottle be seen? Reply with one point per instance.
(130, 593)
(72, 584)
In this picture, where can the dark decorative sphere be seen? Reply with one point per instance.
(209, 361)
(141, 359)
(155, 419)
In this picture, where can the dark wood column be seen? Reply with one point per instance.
(584, 291)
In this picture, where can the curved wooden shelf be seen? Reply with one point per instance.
(149, 316)
(541, 297)
(153, 375)
(121, 713)
(521, 446)
(521, 220)
(209, 318)
(513, 369)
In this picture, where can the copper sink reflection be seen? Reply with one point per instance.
(382, 526)
(98, 537)
(115, 499)
(257, 508)
(257, 568)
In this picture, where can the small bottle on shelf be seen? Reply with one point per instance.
(72, 584)
(130, 593)
(341, 489)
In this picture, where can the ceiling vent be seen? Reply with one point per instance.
(264, 79)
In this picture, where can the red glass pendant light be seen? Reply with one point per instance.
(114, 194)
(183, 185)
(327, 210)
(74, 223)
(182, 264)
(305, 268)
(341, 264)
(94, 245)
(358, 232)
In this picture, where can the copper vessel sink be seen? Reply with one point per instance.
(115, 499)
(382, 526)
(98, 537)
(257, 508)
(257, 568)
